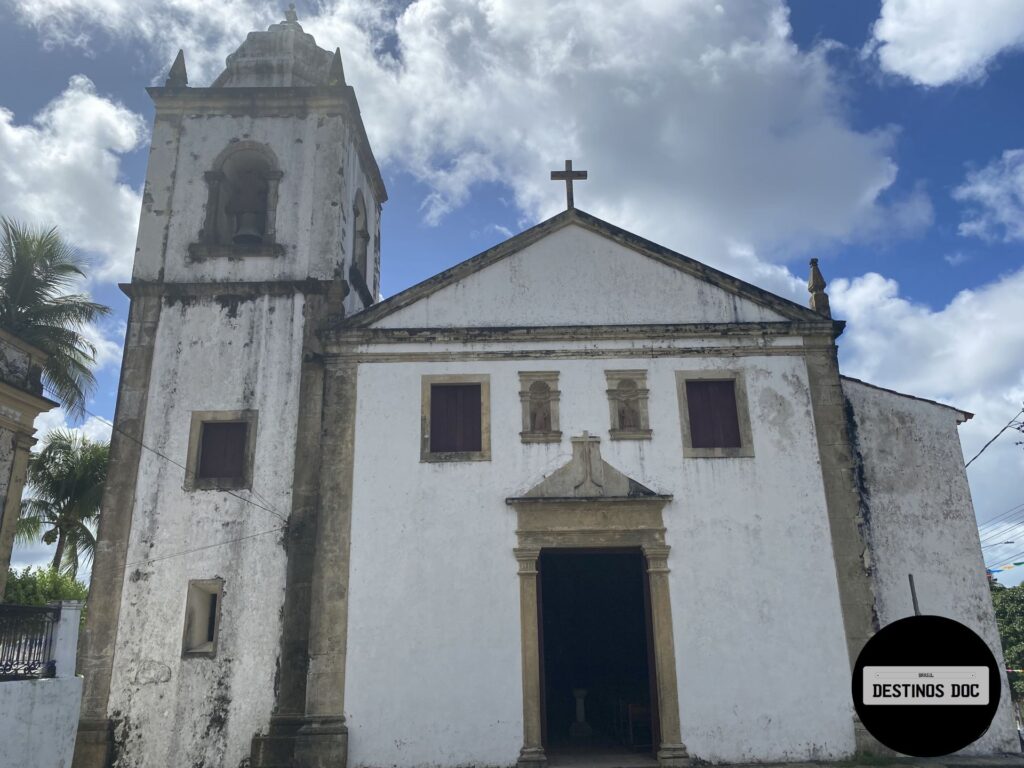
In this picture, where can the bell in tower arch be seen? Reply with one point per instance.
(247, 205)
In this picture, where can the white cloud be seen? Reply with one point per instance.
(956, 258)
(936, 42)
(995, 199)
(93, 428)
(63, 169)
(967, 354)
(701, 125)
(107, 341)
(208, 31)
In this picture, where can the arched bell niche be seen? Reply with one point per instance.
(242, 197)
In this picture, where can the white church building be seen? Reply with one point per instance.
(577, 495)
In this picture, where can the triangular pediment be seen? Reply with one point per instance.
(588, 477)
(577, 270)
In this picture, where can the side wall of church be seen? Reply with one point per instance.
(321, 174)
(921, 522)
(175, 710)
(434, 657)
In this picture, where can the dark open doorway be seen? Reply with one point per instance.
(596, 653)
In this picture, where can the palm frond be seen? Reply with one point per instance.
(38, 272)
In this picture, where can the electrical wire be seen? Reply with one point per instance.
(993, 520)
(1007, 527)
(1009, 559)
(199, 549)
(269, 508)
(1011, 423)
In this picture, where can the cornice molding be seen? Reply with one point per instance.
(347, 335)
(140, 288)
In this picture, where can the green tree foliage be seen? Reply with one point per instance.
(40, 586)
(65, 483)
(1009, 605)
(37, 271)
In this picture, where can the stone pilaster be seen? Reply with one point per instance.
(322, 741)
(843, 503)
(278, 746)
(532, 753)
(96, 649)
(671, 752)
(12, 504)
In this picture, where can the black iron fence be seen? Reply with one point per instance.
(27, 641)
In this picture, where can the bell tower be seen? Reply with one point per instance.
(260, 226)
(266, 175)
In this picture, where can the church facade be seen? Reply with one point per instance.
(577, 494)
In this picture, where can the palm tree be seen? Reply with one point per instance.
(65, 480)
(37, 271)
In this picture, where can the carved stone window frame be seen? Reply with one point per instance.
(195, 483)
(526, 380)
(213, 586)
(426, 382)
(640, 395)
(208, 245)
(746, 447)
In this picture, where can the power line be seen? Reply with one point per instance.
(269, 508)
(1009, 559)
(1011, 423)
(1007, 526)
(199, 549)
(993, 520)
(1008, 523)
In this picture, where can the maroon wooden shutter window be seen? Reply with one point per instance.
(455, 418)
(713, 419)
(222, 452)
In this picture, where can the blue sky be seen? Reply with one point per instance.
(882, 137)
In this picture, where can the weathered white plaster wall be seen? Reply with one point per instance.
(433, 664)
(209, 355)
(922, 522)
(38, 721)
(576, 277)
(321, 174)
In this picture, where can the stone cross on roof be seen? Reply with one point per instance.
(568, 176)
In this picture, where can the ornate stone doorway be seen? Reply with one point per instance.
(598, 681)
(588, 505)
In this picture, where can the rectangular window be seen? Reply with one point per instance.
(221, 446)
(713, 419)
(713, 415)
(202, 617)
(222, 450)
(456, 418)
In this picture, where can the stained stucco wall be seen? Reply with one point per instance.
(576, 277)
(433, 665)
(921, 522)
(209, 355)
(38, 719)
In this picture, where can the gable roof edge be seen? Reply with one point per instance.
(733, 285)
